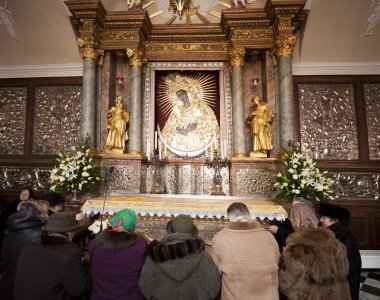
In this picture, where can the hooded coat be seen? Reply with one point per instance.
(116, 262)
(247, 255)
(179, 269)
(53, 270)
(314, 266)
(24, 227)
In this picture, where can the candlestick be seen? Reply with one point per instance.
(155, 140)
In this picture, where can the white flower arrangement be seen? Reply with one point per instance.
(75, 171)
(301, 178)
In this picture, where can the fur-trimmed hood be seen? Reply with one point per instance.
(244, 225)
(111, 240)
(178, 255)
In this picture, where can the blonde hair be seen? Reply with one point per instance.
(303, 216)
(42, 205)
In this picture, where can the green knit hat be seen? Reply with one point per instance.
(123, 221)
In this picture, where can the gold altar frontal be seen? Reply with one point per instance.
(208, 212)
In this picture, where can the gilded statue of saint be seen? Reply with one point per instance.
(259, 119)
(192, 122)
(118, 119)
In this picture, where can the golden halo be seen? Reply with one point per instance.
(200, 86)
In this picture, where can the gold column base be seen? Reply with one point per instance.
(217, 190)
(115, 151)
(157, 189)
(134, 152)
(263, 153)
(239, 155)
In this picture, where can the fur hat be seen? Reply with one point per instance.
(303, 216)
(53, 198)
(334, 211)
(182, 224)
(123, 221)
(61, 222)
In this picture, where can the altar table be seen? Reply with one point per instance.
(202, 208)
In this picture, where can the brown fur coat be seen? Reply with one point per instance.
(314, 266)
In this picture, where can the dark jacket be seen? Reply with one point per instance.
(116, 262)
(344, 235)
(50, 271)
(24, 227)
(285, 229)
(179, 269)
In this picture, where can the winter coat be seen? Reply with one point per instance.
(51, 271)
(247, 257)
(116, 262)
(24, 227)
(343, 234)
(314, 266)
(179, 269)
(285, 229)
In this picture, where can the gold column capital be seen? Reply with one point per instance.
(136, 57)
(284, 45)
(87, 46)
(237, 56)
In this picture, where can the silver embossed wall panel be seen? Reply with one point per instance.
(254, 182)
(56, 119)
(372, 101)
(14, 178)
(356, 185)
(12, 120)
(187, 179)
(328, 120)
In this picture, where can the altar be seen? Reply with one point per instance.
(208, 212)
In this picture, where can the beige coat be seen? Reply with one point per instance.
(246, 256)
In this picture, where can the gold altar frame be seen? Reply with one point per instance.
(225, 118)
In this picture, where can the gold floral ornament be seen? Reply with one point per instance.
(75, 171)
(301, 178)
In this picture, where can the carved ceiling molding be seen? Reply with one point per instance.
(245, 28)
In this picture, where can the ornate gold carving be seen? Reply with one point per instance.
(273, 57)
(179, 47)
(136, 57)
(254, 181)
(244, 34)
(284, 45)
(237, 56)
(129, 35)
(87, 46)
(100, 54)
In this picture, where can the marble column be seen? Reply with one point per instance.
(284, 50)
(238, 120)
(277, 99)
(88, 116)
(136, 58)
(98, 119)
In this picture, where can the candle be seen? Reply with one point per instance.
(225, 149)
(159, 150)
(155, 140)
(148, 150)
(165, 155)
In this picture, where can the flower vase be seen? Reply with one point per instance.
(74, 198)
